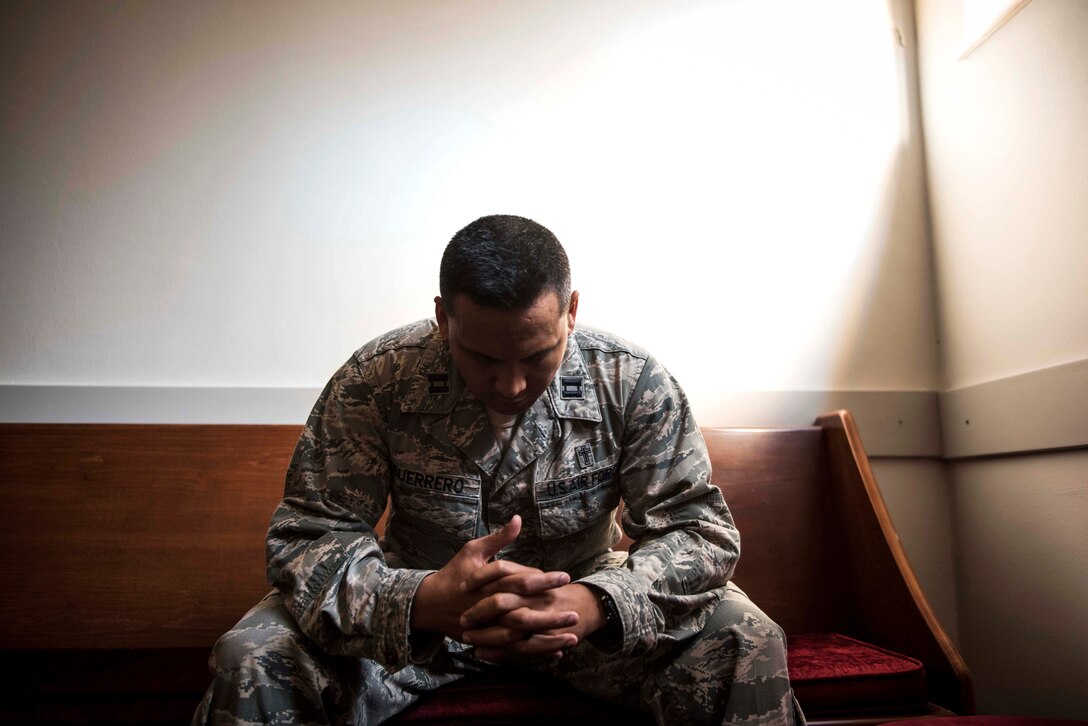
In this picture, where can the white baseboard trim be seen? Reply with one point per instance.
(155, 404)
(1042, 410)
(1038, 411)
(893, 423)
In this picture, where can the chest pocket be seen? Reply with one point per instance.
(569, 505)
(438, 505)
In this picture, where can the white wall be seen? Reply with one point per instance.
(1023, 590)
(1007, 160)
(1007, 155)
(240, 194)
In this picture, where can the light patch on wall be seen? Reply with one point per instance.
(757, 215)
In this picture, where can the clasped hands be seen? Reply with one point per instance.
(507, 610)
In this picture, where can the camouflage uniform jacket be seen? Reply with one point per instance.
(396, 420)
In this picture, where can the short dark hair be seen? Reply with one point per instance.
(505, 262)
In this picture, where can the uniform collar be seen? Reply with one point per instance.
(436, 386)
(572, 393)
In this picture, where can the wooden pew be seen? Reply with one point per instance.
(129, 549)
(819, 551)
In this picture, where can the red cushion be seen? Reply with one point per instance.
(987, 721)
(831, 672)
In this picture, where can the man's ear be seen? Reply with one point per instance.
(441, 317)
(572, 311)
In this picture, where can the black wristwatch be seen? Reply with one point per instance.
(610, 636)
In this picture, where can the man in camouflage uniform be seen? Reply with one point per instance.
(503, 439)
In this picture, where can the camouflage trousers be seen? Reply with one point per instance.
(731, 670)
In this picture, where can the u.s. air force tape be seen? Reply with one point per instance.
(579, 482)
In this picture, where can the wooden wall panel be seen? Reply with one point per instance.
(125, 536)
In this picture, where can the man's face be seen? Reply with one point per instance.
(507, 357)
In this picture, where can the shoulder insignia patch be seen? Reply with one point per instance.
(571, 387)
(438, 383)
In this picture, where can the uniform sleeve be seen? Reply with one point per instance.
(685, 544)
(323, 554)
